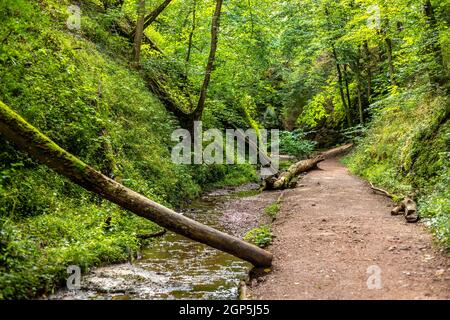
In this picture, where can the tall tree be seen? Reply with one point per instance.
(341, 87)
(197, 114)
(368, 62)
(347, 89)
(359, 86)
(388, 42)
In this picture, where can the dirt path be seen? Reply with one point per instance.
(332, 228)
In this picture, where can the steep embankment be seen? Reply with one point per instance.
(79, 89)
(96, 107)
(406, 151)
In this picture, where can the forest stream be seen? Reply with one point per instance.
(174, 267)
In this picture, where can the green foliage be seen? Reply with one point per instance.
(261, 236)
(272, 209)
(294, 143)
(35, 252)
(234, 175)
(77, 88)
(276, 66)
(320, 36)
(406, 152)
(435, 209)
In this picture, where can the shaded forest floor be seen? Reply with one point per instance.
(332, 229)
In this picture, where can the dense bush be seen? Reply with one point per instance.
(294, 143)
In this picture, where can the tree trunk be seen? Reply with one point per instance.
(336, 151)
(349, 100)
(360, 106)
(30, 140)
(390, 61)
(159, 89)
(139, 33)
(369, 70)
(341, 87)
(398, 210)
(191, 34)
(358, 87)
(411, 214)
(212, 57)
(252, 20)
(152, 16)
(285, 179)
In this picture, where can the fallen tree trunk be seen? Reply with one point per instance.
(398, 210)
(411, 214)
(287, 179)
(266, 161)
(284, 179)
(30, 140)
(336, 151)
(408, 208)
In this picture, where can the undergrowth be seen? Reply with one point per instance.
(78, 88)
(260, 236)
(406, 152)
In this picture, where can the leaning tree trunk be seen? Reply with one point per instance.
(197, 114)
(285, 179)
(29, 139)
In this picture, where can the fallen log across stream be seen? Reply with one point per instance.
(287, 179)
(30, 140)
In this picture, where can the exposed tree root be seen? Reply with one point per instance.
(387, 194)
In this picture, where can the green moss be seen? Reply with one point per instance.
(18, 123)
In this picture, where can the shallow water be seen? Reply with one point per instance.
(173, 267)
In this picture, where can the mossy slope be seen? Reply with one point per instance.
(407, 152)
